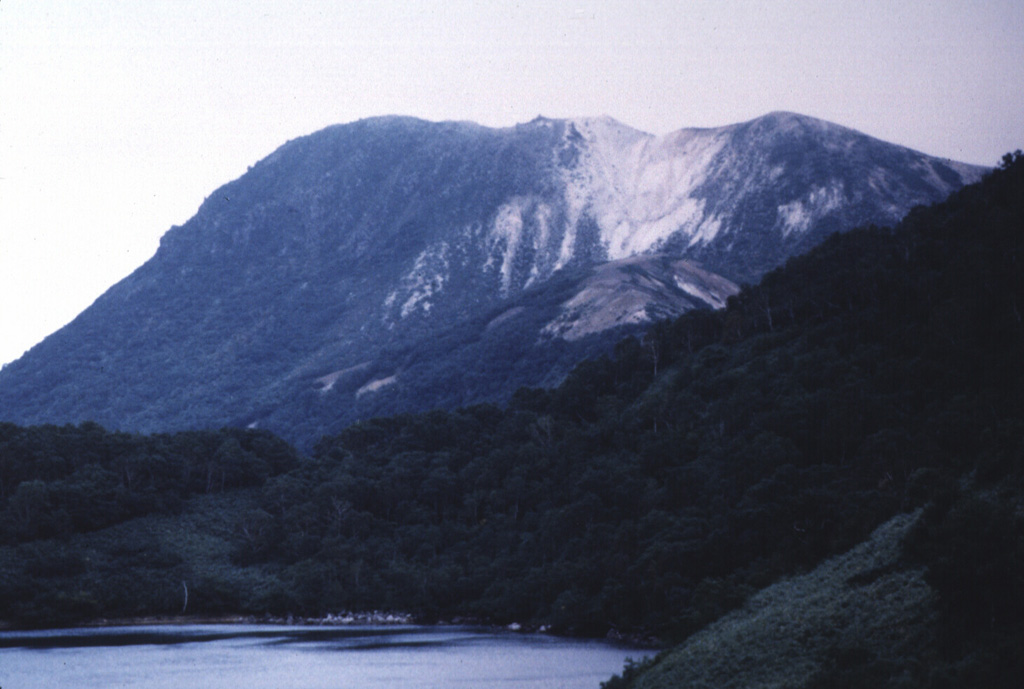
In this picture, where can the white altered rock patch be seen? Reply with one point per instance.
(639, 188)
(799, 215)
(376, 385)
(426, 279)
(630, 291)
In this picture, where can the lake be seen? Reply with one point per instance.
(287, 657)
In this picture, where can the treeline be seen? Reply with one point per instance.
(651, 491)
(655, 488)
(58, 481)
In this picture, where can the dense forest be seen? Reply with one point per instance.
(651, 492)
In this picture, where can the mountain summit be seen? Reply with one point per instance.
(395, 264)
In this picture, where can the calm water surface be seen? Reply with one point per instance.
(284, 657)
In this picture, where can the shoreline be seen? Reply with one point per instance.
(374, 618)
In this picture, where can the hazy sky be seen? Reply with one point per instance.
(118, 117)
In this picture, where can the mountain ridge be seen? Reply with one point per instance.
(376, 240)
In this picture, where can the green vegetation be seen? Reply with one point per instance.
(934, 601)
(652, 492)
(97, 524)
(855, 605)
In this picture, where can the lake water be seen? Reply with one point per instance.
(287, 657)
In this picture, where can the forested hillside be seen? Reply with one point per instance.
(651, 492)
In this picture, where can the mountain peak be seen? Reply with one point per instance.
(786, 116)
(783, 122)
(453, 261)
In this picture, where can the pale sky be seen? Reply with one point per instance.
(118, 117)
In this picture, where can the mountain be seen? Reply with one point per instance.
(871, 386)
(394, 264)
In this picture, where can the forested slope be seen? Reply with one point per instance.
(650, 493)
(936, 600)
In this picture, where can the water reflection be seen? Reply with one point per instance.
(284, 657)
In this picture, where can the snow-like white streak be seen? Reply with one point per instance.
(639, 188)
(638, 191)
(525, 224)
(326, 383)
(798, 215)
(707, 230)
(376, 385)
(697, 292)
(543, 215)
(884, 188)
(507, 233)
(794, 216)
(565, 251)
(427, 278)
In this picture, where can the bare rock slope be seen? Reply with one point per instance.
(394, 264)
